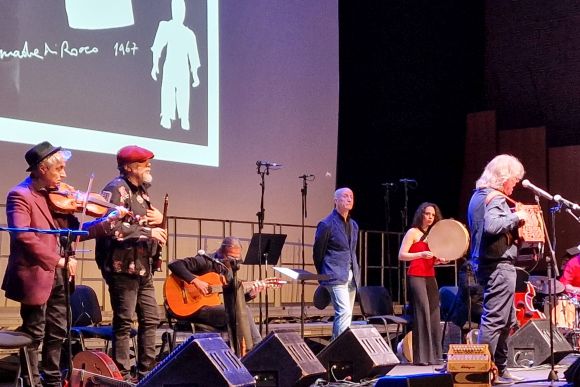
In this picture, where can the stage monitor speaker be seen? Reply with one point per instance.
(202, 360)
(572, 374)
(530, 345)
(283, 359)
(358, 352)
(420, 380)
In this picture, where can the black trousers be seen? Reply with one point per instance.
(132, 294)
(498, 317)
(426, 327)
(46, 325)
(214, 316)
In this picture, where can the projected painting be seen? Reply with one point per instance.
(97, 75)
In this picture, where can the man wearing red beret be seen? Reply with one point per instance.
(126, 259)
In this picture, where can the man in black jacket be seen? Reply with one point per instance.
(126, 259)
(234, 312)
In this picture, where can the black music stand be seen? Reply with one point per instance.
(264, 249)
(302, 276)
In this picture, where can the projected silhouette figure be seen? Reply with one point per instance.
(181, 58)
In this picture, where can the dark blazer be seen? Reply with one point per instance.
(34, 256)
(333, 253)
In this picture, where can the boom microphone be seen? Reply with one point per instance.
(526, 184)
(213, 259)
(262, 163)
(566, 203)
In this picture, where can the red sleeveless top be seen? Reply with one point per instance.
(421, 267)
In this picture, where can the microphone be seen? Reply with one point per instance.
(526, 184)
(213, 259)
(306, 176)
(262, 163)
(567, 203)
(387, 184)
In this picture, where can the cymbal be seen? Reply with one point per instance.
(540, 283)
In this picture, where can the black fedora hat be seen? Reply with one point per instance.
(38, 153)
(321, 297)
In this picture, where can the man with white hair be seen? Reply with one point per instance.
(334, 254)
(493, 251)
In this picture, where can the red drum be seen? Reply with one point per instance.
(98, 363)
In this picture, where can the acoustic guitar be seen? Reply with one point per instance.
(185, 299)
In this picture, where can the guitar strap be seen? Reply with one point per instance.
(490, 196)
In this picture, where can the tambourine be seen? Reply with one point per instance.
(448, 239)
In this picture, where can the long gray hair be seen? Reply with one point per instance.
(499, 170)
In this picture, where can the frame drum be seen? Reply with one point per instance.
(448, 239)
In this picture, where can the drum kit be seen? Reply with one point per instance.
(565, 314)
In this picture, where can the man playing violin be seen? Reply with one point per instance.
(34, 275)
(126, 259)
(493, 251)
(234, 315)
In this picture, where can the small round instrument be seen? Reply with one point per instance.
(448, 239)
(98, 363)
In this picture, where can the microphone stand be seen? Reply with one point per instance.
(569, 212)
(405, 210)
(387, 200)
(404, 222)
(552, 271)
(65, 253)
(263, 170)
(237, 348)
(304, 193)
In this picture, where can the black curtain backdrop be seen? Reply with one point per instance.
(409, 74)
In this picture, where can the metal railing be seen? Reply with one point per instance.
(377, 251)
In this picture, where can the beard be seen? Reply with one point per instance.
(147, 178)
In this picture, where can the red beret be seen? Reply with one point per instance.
(133, 154)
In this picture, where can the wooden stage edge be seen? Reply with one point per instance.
(279, 317)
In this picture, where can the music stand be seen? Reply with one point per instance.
(302, 276)
(264, 249)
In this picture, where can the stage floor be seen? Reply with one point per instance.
(536, 376)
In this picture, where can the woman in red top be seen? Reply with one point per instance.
(423, 289)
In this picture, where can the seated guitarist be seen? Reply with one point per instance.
(234, 315)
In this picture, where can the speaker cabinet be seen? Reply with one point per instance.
(421, 380)
(358, 352)
(530, 345)
(572, 374)
(283, 359)
(202, 360)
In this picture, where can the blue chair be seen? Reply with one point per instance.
(87, 319)
(376, 305)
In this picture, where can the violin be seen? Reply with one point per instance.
(67, 200)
